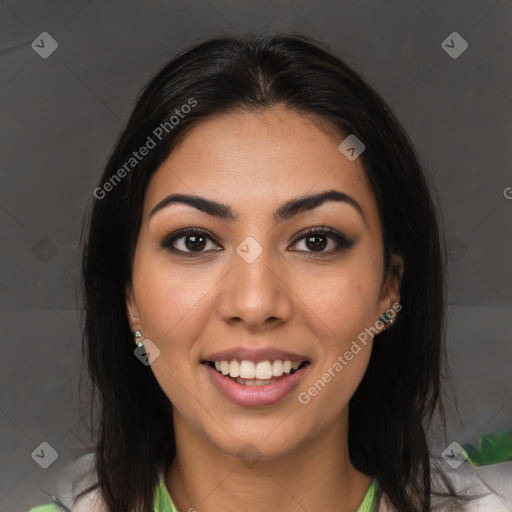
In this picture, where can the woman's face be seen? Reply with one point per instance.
(254, 289)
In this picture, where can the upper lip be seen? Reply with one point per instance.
(257, 355)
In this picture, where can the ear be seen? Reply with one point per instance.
(390, 293)
(132, 312)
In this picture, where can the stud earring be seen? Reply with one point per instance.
(387, 318)
(137, 334)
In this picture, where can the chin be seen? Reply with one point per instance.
(258, 444)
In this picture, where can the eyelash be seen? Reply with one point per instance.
(342, 242)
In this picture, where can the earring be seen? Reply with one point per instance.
(387, 318)
(137, 334)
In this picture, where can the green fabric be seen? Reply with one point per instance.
(164, 503)
(46, 508)
(370, 501)
(492, 448)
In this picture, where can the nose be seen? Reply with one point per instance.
(257, 294)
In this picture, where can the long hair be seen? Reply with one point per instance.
(392, 408)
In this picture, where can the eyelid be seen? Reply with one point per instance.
(170, 239)
(341, 240)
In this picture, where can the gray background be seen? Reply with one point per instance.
(60, 117)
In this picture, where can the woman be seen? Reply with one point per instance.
(264, 232)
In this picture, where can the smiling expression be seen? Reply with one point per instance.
(251, 285)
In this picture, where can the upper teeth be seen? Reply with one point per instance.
(261, 370)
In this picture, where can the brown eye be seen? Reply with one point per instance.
(188, 241)
(194, 242)
(317, 240)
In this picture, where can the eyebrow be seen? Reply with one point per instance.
(286, 211)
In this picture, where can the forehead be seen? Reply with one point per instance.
(256, 160)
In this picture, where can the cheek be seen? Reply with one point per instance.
(338, 308)
(341, 304)
(344, 348)
(174, 309)
(172, 304)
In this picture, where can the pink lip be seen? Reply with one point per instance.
(254, 355)
(255, 396)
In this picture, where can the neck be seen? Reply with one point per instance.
(317, 475)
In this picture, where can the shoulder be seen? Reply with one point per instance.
(78, 476)
(488, 487)
(82, 473)
(75, 478)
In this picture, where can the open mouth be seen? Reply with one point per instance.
(261, 373)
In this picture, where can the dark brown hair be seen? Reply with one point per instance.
(392, 408)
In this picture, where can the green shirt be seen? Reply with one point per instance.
(164, 503)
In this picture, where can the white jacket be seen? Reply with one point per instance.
(495, 481)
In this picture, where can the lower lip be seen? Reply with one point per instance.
(255, 396)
